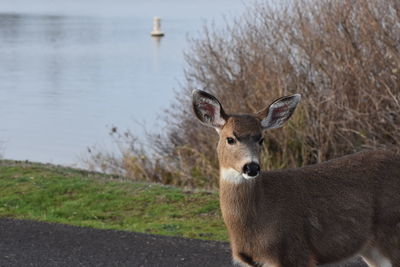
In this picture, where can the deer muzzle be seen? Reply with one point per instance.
(251, 170)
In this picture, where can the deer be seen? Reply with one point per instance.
(316, 214)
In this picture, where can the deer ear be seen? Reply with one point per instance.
(208, 109)
(278, 112)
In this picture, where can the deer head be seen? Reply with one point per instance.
(241, 136)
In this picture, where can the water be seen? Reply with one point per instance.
(70, 70)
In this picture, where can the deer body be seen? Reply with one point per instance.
(326, 212)
(305, 216)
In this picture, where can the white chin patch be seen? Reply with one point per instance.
(231, 175)
(249, 177)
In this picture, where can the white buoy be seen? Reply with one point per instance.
(157, 27)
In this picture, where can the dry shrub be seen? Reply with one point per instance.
(342, 56)
(137, 160)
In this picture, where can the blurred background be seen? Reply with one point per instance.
(72, 70)
(84, 84)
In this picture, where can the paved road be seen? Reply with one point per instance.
(28, 243)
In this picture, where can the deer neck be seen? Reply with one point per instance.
(238, 207)
(237, 197)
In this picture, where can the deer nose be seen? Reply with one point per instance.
(251, 169)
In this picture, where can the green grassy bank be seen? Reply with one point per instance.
(65, 195)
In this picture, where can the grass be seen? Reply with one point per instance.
(65, 195)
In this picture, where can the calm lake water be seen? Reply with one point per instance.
(70, 70)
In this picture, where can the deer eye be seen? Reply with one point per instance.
(230, 140)
(261, 141)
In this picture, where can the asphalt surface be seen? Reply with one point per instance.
(29, 243)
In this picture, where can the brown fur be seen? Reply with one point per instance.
(320, 213)
(246, 127)
(304, 216)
